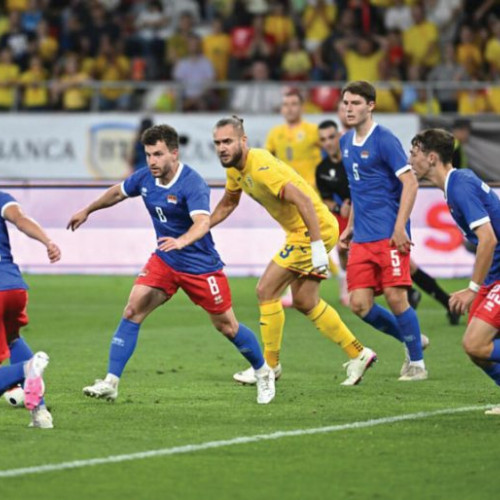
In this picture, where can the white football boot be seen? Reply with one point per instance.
(101, 389)
(356, 367)
(247, 377)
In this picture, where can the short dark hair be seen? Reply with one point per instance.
(161, 133)
(436, 140)
(362, 88)
(328, 124)
(462, 123)
(294, 93)
(235, 121)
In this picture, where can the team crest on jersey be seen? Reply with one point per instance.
(365, 155)
(301, 135)
(171, 198)
(144, 191)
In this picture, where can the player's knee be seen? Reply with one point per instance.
(226, 328)
(475, 349)
(129, 312)
(359, 306)
(262, 292)
(304, 304)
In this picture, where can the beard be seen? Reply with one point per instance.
(233, 160)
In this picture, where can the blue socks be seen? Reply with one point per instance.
(493, 372)
(122, 346)
(408, 324)
(246, 342)
(495, 354)
(383, 320)
(11, 375)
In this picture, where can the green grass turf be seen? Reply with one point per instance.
(177, 390)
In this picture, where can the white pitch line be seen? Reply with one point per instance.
(191, 448)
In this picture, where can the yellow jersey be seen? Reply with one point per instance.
(9, 75)
(298, 147)
(264, 178)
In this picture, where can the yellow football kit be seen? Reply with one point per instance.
(298, 147)
(264, 178)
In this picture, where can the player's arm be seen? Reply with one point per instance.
(347, 234)
(487, 241)
(305, 206)
(200, 227)
(111, 197)
(400, 238)
(225, 207)
(30, 227)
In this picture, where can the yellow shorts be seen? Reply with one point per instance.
(295, 254)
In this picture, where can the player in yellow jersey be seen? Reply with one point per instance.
(296, 141)
(302, 262)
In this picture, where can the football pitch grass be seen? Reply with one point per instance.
(182, 429)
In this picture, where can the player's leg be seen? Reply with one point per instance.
(272, 317)
(142, 301)
(481, 342)
(247, 344)
(363, 279)
(343, 292)
(326, 319)
(408, 325)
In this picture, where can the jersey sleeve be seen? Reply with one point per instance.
(131, 186)
(232, 184)
(393, 154)
(198, 197)
(6, 200)
(467, 196)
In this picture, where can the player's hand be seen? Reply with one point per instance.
(461, 301)
(77, 220)
(53, 252)
(319, 257)
(167, 243)
(345, 208)
(401, 241)
(345, 238)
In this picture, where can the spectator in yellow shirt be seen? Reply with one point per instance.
(420, 41)
(296, 62)
(34, 82)
(492, 49)
(279, 25)
(217, 49)
(318, 20)
(112, 66)
(468, 52)
(9, 76)
(47, 45)
(69, 89)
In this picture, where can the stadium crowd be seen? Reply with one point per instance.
(432, 55)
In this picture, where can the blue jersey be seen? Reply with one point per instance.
(372, 168)
(10, 276)
(171, 208)
(473, 203)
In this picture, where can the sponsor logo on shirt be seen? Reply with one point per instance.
(171, 198)
(263, 168)
(346, 153)
(144, 191)
(248, 181)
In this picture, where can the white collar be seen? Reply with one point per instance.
(354, 138)
(173, 181)
(446, 181)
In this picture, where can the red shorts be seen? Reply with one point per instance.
(209, 291)
(13, 316)
(377, 265)
(342, 222)
(486, 305)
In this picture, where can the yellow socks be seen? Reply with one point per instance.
(328, 322)
(272, 322)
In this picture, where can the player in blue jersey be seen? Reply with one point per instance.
(177, 199)
(25, 367)
(476, 210)
(383, 191)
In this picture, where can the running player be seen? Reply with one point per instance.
(177, 199)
